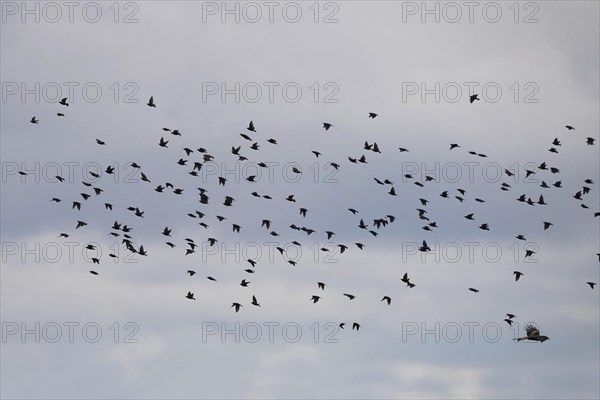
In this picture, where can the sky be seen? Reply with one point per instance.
(129, 331)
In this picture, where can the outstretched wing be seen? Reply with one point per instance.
(532, 331)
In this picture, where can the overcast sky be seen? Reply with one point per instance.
(212, 67)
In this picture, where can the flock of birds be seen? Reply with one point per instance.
(122, 230)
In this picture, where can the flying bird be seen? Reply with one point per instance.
(533, 334)
(517, 275)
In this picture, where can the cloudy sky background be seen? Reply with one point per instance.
(361, 63)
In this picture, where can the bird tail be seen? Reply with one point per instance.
(519, 339)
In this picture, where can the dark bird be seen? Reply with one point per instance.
(237, 306)
(327, 125)
(34, 120)
(190, 296)
(405, 278)
(163, 142)
(93, 273)
(592, 284)
(469, 216)
(80, 224)
(356, 326)
(541, 201)
(315, 298)
(166, 231)
(350, 296)
(547, 225)
(590, 141)
(244, 283)
(529, 253)
(453, 146)
(473, 97)
(151, 102)
(63, 101)
(321, 285)
(372, 115)
(473, 290)
(509, 321)
(191, 272)
(511, 316)
(533, 334)
(254, 301)
(569, 127)
(517, 275)
(388, 299)
(228, 201)
(251, 127)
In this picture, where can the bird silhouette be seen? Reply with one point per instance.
(533, 334)
(517, 275)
